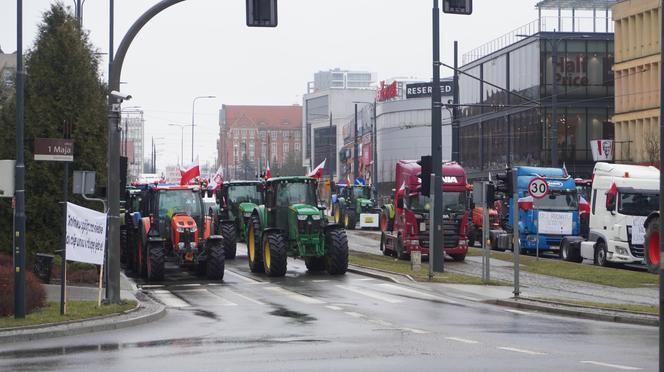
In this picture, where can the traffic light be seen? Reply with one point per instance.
(504, 182)
(425, 174)
(458, 6)
(262, 13)
(490, 194)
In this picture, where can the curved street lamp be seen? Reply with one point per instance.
(193, 107)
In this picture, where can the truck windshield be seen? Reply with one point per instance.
(179, 201)
(361, 192)
(636, 204)
(454, 202)
(418, 202)
(295, 193)
(558, 200)
(244, 193)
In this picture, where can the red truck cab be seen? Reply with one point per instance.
(405, 225)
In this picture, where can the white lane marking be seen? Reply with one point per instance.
(363, 279)
(464, 340)
(190, 285)
(335, 308)
(320, 281)
(217, 297)
(373, 295)
(529, 352)
(151, 286)
(353, 314)
(616, 366)
(244, 278)
(415, 330)
(296, 296)
(422, 294)
(257, 302)
(517, 312)
(381, 322)
(169, 299)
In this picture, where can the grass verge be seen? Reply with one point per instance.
(76, 310)
(403, 267)
(614, 277)
(639, 308)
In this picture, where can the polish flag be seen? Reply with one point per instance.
(318, 171)
(190, 172)
(217, 180)
(268, 172)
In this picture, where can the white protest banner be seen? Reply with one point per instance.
(639, 231)
(86, 235)
(559, 223)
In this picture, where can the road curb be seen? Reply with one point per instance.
(377, 273)
(615, 316)
(147, 311)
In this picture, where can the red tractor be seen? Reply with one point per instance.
(172, 225)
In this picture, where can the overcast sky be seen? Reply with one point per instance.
(203, 47)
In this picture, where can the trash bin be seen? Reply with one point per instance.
(43, 267)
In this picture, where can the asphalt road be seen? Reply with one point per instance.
(307, 322)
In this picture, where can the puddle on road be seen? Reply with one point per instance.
(204, 313)
(177, 342)
(297, 317)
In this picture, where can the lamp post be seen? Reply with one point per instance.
(181, 126)
(193, 108)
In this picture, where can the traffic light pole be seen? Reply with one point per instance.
(437, 150)
(516, 248)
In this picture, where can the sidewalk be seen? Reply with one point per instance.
(146, 311)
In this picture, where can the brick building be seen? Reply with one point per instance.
(250, 135)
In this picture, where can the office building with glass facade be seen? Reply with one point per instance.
(508, 107)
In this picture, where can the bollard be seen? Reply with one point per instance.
(416, 261)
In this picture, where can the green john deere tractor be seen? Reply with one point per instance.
(355, 204)
(236, 200)
(290, 224)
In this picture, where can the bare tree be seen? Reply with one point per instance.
(652, 148)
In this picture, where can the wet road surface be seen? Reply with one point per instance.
(307, 322)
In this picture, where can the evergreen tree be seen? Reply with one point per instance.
(62, 85)
(292, 165)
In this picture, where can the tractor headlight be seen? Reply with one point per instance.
(247, 214)
(194, 229)
(181, 245)
(180, 230)
(302, 217)
(316, 217)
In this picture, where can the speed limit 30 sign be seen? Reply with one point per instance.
(538, 188)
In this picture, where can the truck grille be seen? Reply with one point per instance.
(451, 233)
(637, 250)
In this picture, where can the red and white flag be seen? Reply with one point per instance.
(217, 180)
(318, 171)
(268, 172)
(190, 172)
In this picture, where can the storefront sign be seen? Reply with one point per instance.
(419, 90)
(386, 92)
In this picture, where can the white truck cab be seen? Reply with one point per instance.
(622, 196)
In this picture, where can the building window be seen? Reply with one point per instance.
(285, 134)
(251, 133)
(297, 147)
(286, 148)
(274, 150)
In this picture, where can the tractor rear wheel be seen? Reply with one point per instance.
(229, 233)
(651, 253)
(155, 261)
(274, 254)
(336, 258)
(254, 251)
(315, 263)
(216, 261)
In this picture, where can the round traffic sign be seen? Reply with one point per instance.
(538, 188)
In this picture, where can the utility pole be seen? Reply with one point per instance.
(661, 201)
(436, 149)
(554, 105)
(356, 161)
(374, 137)
(455, 108)
(19, 193)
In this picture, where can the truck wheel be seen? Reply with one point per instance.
(215, 263)
(400, 251)
(651, 254)
(336, 258)
(315, 263)
(229, 233)
(459, 257)
(155, 262)
(254, 253)
(274, 254)
(601, 254)
(569, 253)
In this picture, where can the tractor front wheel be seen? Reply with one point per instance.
(315, 263)
(216, 261)
(229, 233)
(254, 253)
(155, 261)
(274, 254)
(651, 253)
(336, 258)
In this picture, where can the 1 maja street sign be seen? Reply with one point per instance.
(54, 149)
